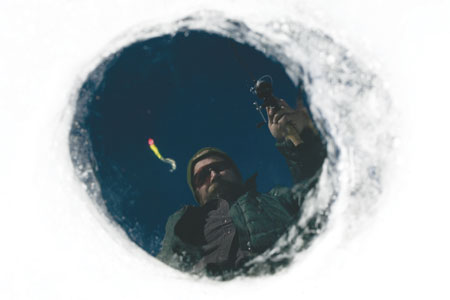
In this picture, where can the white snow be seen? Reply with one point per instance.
(56, 244)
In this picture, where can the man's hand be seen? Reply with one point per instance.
(280, 120)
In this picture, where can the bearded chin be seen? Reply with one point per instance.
(225, 190)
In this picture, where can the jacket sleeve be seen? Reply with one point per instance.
(305, 160)
(175, 251)
(305, 163)
(170, 241)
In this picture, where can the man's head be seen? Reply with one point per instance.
(212, 174)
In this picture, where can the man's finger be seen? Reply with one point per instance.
(268, 116)
(269, 111)
(285, 104)
(282, 120)
(279, 115)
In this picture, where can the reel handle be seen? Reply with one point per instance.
(293, 135)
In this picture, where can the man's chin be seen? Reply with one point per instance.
(213, 188)
(215, 192)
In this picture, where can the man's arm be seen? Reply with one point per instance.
(167, 254)
(304, 160)
(180, 246)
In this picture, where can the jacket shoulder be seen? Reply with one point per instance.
(173, 246)
(279, 191)
(176, 216)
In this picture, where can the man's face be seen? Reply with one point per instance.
(214, 177)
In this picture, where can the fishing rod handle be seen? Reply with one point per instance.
(293, 135)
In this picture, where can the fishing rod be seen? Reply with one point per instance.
(263, 90)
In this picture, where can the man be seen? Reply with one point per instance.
(234, 223)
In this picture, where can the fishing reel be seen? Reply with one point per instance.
(263, 90)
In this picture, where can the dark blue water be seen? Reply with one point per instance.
(185, 91)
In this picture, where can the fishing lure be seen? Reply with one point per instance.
(155, 150)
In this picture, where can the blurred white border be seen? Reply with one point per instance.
(53, 246)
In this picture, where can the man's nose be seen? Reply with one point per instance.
(213, 174)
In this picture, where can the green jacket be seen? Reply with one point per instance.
(260, 219)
